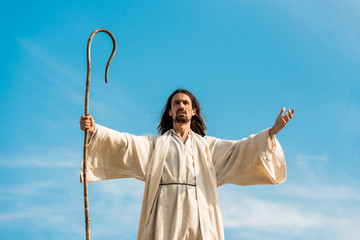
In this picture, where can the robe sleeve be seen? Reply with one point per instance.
(258, 159)
(112, 155)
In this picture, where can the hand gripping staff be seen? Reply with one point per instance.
(85, 155)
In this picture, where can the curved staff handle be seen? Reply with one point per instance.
(89, 63)
(86, 137)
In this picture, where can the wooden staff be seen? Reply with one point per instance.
(85, 156)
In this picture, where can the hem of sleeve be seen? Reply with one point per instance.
(272, 156)
(93, 134)
(101, 174)
(92, 141)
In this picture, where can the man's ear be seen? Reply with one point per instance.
(193, 112)
(170, 113)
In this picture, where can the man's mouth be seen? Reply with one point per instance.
(181, 116)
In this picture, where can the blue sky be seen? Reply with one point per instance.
(243, 60)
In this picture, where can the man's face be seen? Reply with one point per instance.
(181, 108)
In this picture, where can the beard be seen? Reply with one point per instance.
(181, 118)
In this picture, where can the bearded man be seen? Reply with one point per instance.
(182, 168)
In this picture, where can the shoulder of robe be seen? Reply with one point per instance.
(208, 139)
(152, 137)
(205, 140)
(163, 137)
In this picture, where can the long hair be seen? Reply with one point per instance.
(197, 121)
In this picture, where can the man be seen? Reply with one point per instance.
(183, 167)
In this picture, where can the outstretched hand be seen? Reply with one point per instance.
(87, 123)
(281, 121)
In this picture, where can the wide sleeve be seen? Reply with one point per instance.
(258, 159)
(112, 154)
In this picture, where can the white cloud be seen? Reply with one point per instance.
(39, 163)
(32, 213)
(310, 167)
(268, 216)
(43, 218)
(115, 207)
(26, 189)
(44, 157)
(323, 212)
(39, 206)
(304, 157)
(323, 192)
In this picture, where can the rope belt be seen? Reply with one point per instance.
(185, 184)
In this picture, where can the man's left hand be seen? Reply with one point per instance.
(281, 121)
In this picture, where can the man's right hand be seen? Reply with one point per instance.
(87, 123)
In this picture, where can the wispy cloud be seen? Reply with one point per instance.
(324, 212)
(40, 206)
(310, 167)
(38, 163)
(269, 216)
(64, 77)
(26, 189)
(43, 218)
(45, 157)
(117, 203)
(36, 50)
(304, 157)
(67, 83)
(323, 192)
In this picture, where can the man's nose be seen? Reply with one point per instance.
(180, 108)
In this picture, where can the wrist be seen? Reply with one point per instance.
(272, 138)
(271, 132)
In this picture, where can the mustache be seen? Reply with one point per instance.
(181, 111)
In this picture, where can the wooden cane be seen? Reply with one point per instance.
(86, 138)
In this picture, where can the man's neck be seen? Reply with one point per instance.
(182, 129)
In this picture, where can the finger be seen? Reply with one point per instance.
(290, 114)
(84, 117)
(84, 121)
(287, 117)
(282, 111)
(293, 110)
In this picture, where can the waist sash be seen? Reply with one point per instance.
(184, 184)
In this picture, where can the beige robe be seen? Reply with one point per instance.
(257, 159)
(175, 202)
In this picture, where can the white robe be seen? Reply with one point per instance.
(257, 159)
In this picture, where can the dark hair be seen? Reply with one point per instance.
(197, 121)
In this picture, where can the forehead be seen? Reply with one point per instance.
(180, 97)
